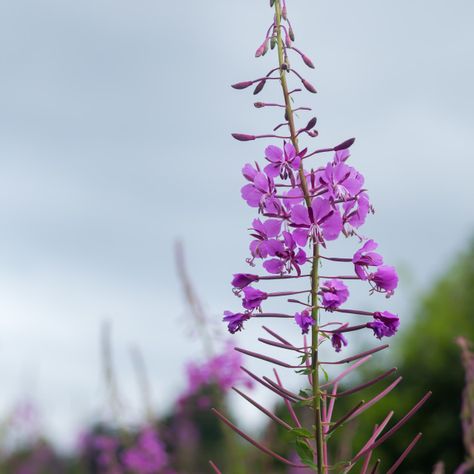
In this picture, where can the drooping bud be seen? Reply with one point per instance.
(288, 40)
(242, 85)
(243, 137)
(308, 86)
(272, 2)
(291, 33)
(344, 145)
(262, 49)
(284, 12)
(273, 42)
(311, 124)
(259, 105)
(307, 61)
(259, 87)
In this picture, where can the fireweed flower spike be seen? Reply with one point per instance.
(305, 199)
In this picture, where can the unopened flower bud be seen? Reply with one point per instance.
(243, 137)
(311, 123)
(309, 87)
(262, 49)
(259, 105)
(273, 42)
(288, 40)
(272, 2)
(313, 133)
(284, 13)
(344, 145)
(259, 87)
(242, 85)
(307, 61)
(291, 33)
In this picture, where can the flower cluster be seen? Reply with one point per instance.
(223, 370)
(148, 455)
(304, 202)
(300, 208)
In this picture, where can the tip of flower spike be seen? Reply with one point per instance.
(243, 137)
(242, 85)
(344, 145)
(308, 86)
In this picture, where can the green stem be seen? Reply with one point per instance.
(321, 469)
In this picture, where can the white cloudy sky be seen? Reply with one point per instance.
(114, 141)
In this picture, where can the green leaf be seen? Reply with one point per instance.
(301, 432)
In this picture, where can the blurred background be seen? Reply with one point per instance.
(115, 122)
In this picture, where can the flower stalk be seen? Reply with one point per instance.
(300, 211)
(318, 435)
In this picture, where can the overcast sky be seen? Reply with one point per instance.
(115, 121)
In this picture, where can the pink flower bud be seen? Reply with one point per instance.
(344, 145)
(263, 48)
(259, 105)
(291, 33)
(259, 87)
(243, 137)
(309, 87)
(307, 61)
(242, 85)
(284, 12)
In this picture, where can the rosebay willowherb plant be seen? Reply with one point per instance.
(304, 203)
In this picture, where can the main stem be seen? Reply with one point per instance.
(318, 431)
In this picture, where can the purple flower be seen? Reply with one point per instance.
(253, 298)
(282, 162)
(385, 324)
(222, 369)
(342, 181)
(341, 155)
(364, 257)
(241, 280)
(261, 194)
(249, 172)
(147, 456)
(355, 212)
(338, 340)
(333, 294)
(385, 279)
(263, 232)
(288, 256)
(235, 321)
(292, 197)
(320, 222)
(304, 320)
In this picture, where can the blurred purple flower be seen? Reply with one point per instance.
(148, 455)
